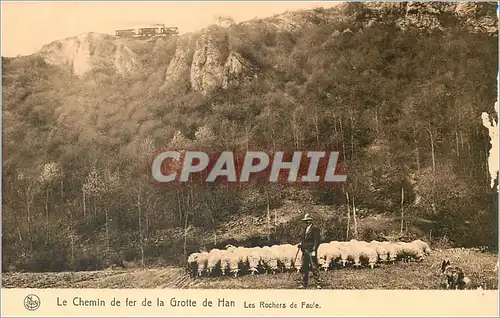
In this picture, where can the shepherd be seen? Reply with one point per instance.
(309, 247)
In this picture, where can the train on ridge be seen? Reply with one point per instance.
(147, 31)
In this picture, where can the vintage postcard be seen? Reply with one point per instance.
(249, 158)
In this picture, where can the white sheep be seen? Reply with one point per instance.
(335, 255)
(322, 252)
(345, 255)
(336, 244)
(423, 246)
(399, 250)
(224, 261)
(298, 261)
(392, 249)
(278, 256)
(411, 251)
(236, 257)
(287, 256)
(382, 251)
(214, 259)
(192, 264)
(253, 258)
(368, 255)
(363, 243)
(332, 254)
(243, 253)
(201, 262)
(355, 254)
(269, 260)
(353, 241)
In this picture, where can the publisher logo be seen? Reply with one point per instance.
(32, 302)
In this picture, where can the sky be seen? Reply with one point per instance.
(27, 26)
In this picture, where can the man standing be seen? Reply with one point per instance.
(309, 247)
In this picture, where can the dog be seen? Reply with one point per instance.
(455, 277)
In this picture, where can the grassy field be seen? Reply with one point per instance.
(478, 266)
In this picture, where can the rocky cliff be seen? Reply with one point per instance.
(206, 61)
(90, 51)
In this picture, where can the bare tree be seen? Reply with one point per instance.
(429, 129)
(49, 174)
(348, 216)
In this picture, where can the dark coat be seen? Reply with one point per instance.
(310, 241)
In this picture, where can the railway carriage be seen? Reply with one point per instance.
(148, 31)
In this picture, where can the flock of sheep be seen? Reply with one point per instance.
(280, 258)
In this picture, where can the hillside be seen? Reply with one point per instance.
(398, 88)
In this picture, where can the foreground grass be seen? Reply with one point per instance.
(479, 267)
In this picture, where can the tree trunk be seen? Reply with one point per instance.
(148, 210)
(348, 217)
(352, 137)
(185, 228)
(95, 206)
(295, 130)
(179, 205)
(191, 200)
(21, 241)
(71, 225)
(417, 151)
(273, 129)
(29, 199)
(432, 150)
(461, 140)
(47, 214)
(268, 218)
(316, 124)
(343, 142)
(209, 199)
(107, 229)
(139, 212)
(354, 217)
(275, 220)
(402, 209)
(84, 205)
(468, 146)
(246, 137)
(214, 227)
(47, 204)
(72, 249)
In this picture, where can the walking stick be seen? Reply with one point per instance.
(294, 260)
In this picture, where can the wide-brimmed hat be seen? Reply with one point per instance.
(307, 217)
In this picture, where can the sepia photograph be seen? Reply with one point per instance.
(250, 145)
